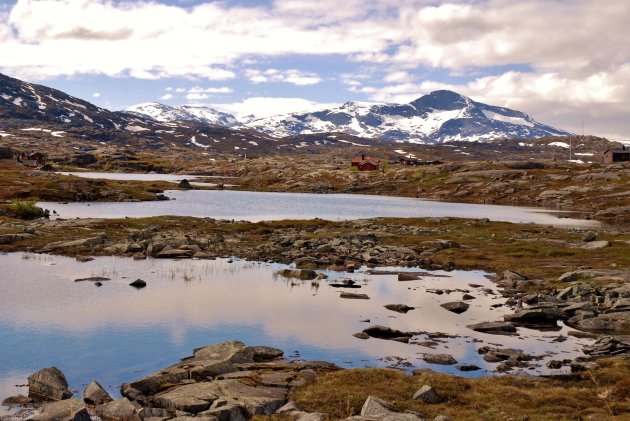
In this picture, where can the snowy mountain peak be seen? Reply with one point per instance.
(200, 114)
(439, 116)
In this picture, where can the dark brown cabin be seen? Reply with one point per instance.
(617, 155)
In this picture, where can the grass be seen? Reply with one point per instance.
(25, 209)
(602, 394)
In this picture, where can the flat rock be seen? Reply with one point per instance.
(175, 254)
(494, 328)
(442, 359)
(535, 316)
(63, 410)
(457, 307)
(121, 409)
(383, 332)
(193, 398)
(595, 245)
(467, 367)
(399, 308)
(353, 296)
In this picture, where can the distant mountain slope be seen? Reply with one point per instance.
(26, 101)
(440, 116)
(164, 113)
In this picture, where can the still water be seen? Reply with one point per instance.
(257, 206)
(116, 333)
(171, 178)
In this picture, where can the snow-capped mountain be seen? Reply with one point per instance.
(440, 116)
(164, 113)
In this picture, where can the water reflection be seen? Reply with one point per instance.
(113, 333)
(257, 206)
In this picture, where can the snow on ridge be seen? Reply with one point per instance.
(507, 119)
(560, 144)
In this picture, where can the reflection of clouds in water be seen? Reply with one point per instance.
(9, 387)
(183, 296)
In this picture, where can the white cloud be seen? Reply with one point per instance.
(166, 97)
(198, 93)
(269, 106)
(292, 76)
(96, 94)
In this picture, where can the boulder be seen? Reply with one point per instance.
(467, 367)
(427, 394)
(48, 384)
(495, 355)
(303, 274)
(59, 411)
(193, 398)
(512, 275)
(97, 393)
(399, 308)
(184, 184)
(457, 307)
(119, 410)
(227, 409)
(542, 315)
(442, 359)
(494, 328)
(608, 322)
(16, 400)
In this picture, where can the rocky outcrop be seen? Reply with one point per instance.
(48, 384)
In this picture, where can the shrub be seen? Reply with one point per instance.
(26, 209)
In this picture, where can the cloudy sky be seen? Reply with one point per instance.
(565, 62)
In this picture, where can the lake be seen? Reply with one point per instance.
(116, 333)
(258, 206)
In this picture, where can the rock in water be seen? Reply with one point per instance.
(400, 308)
(48, 384)
(184, 184)
(457, 307)
(138, 283)
(495, 328)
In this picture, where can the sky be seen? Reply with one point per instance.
(564, 62)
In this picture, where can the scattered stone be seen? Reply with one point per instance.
(468, 297)
(353, 295)
(494, 328)
(442, 359)
(495, 355)
(400, 308)
(608, 346)
(427, 394)
(138, 283)
(48, 384)
(457, 307)
(361, 335)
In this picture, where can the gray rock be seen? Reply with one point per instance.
(375, 409)
(427, 394)
(512, 275)
(48, 384)
(443, 359)
(121, 409)
(63, 410)
(494, 328)
(227, 409)
(184, 184)
(457, 307)
(192, 398)
(608, 346)
(97, 393)
(175, 254)
(467, 367)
